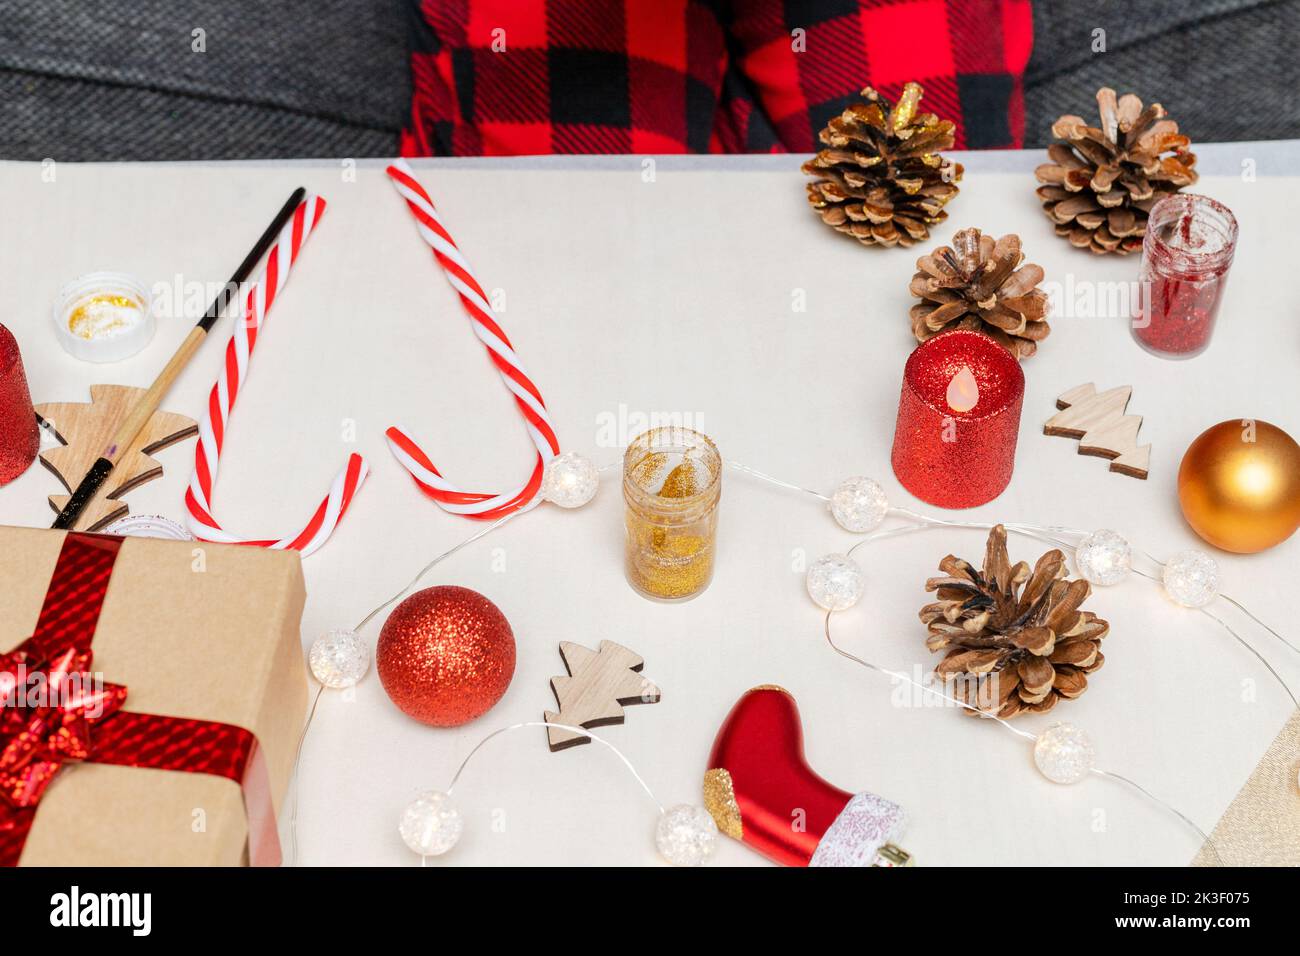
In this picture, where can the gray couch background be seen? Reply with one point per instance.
(1224, 69)
(120, 80)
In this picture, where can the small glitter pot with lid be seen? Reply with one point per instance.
(1186, 253)
(104, 317)
(672, 482)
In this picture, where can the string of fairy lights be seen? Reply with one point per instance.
(685, 834)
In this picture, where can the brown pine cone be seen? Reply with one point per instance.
(882, 181)
(1102, 182)
(980, 284)
(1015, 640)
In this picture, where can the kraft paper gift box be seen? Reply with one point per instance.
(204, 637)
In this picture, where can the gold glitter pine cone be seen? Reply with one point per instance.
(1015, 641)
(882, 180)
(1102, 181)
(980, 283)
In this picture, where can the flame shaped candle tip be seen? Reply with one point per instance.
(963, 392)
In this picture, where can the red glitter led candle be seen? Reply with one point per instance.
(1186, 253)
(20, 439)
(958, 419)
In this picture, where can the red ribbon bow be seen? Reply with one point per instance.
(38, 737)
(53, 709)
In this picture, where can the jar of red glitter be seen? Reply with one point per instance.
(1188, 248)
(20, 439)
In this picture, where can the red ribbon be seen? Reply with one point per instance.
(54, 711)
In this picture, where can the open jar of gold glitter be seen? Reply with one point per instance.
(104, 317)
(672, 481)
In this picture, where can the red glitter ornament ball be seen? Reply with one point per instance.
(20, 439)
(445, 655)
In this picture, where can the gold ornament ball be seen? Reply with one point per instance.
(1239, 486)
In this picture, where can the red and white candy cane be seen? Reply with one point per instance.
(213, 429)
(475, 504)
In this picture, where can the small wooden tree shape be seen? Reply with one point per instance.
(86, 429)
(599, 684)
(1101, 426)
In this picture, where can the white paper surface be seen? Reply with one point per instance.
(625, 297)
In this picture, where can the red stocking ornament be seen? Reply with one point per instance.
(762, 792)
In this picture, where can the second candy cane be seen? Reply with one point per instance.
(475, 504)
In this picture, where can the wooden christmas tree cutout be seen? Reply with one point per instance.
(599, 684)
(1099, 422)
(86, 429)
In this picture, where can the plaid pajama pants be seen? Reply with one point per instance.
(510, 77)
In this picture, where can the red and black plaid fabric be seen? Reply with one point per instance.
(509, 77)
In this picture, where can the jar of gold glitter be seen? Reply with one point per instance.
(672, 480)
(104, 317)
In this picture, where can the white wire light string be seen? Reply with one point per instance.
(370, 616)
(1006, 725)
(1231, 600)
(311, 714)
(297, 775)
(755, 473)
(455, 778)
(1050, 534)
(1238, 638)
(481, 533)
(1243, 609)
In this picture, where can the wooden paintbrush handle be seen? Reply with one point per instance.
(149, 402)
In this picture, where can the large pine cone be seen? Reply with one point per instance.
(1015, 641)
(980, 284)
(882, 181)
(1102, 183)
